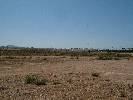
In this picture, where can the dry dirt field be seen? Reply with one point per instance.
(67, 78)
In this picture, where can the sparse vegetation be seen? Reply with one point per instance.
(74, 52)
(113, 56)
(65, 74)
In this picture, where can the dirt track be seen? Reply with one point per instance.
(68, 78)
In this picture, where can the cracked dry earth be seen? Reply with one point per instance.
(67, 79)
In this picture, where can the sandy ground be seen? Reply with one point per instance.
(67, 78)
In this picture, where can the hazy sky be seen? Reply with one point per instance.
(67, 23)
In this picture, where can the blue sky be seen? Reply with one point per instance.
(67, 23)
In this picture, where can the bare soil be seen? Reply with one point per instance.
(68, 78)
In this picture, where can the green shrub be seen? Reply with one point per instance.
(34, 79)
(31, 79)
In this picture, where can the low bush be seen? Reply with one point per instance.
(34, 79)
